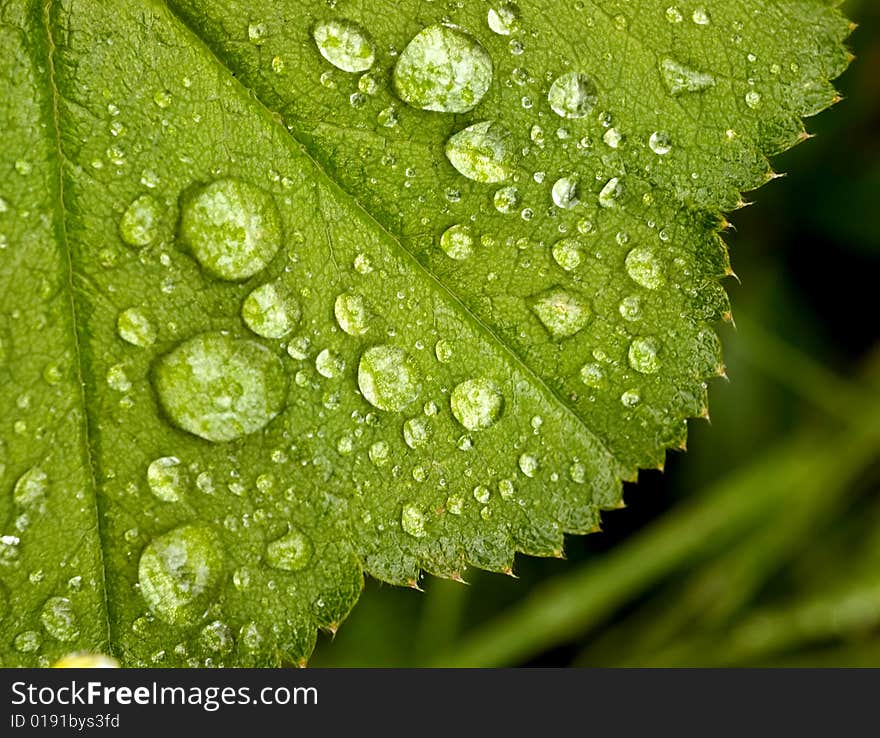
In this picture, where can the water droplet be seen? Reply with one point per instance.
(630, 398)
(140, 222)
(362, 264)
(412, 520)
(503, 18)
(673, 15)
(387, 117)
(270, 310)
(257, 33)
(528, 465)
(179, 573)
(506, 200)
(457, 242)
(292, 552)
(167, 478)
(482, 494)
(31, 487)
(59, 618)
(610, 193)
(630, 308)
(593, 376)
(28, 642)
(217, 638)
(613, 138)
(562, 313)
(660, 143)
(444, 69)
(220, 388)
(565, 192)
(577, 472)
(345, 45)
(388, 378)
(480, 152)
(567, 252)
(329, 364)
(644, 269)
(506, 488)
(298, 348)
(231, 227)
(135, 327)
(416, 432)
(701, 17)
(753, 99)
(679, 78)
(643, 355)
(351, 313)
(444, 350)
(379, 453)
(477, 403)
(572, 95)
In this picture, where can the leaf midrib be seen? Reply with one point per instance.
(78, 350)
(274, 118)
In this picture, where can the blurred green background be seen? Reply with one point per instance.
(761, 545)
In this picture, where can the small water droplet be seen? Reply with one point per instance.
(167, 478)
(231, 227)
(477, 403)
(59, 619)
(480, 152)
(630, 308)
(351, 313)
(379, 453)
(643, 356)
(660, 143)
(644, 268)
(292, 552)
(329, 364)
(577, 472)
(412, 520)
(701, 17)
(135, 328)
(506, 488)
(298, 348)
(506, 200)
(220, 388)
(443, 68)
(630, 398)
(387, 378)
(567, 253)
(482, 494)
(503, 18)
(31, 488)
(572, 95)
(179, 573)
(416, 432)
(673, 14)
(610, 193)
(753, 99)
(565, 193)
(443, 350)
(562, 313)
(270, 310)
(680, 78)
(28, 642)
(139, 225)
(528, 465)
(387, 117)
(457, 242)
(217, 638)
(613, 138)
(344, 44)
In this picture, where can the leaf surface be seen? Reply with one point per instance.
(293, 292)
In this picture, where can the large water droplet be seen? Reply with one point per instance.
(567, 252)
(30, 489)
(562, 313)
(59, 619)
(503, 18)
(231, 227)
(140, 222)
(220, 388)
(477, 403)
(444, 69)
(388, 378)
(344, 44)
(572, 95)
(270, 310)
(291, 552)
(480, 152)
(644, 269)
(643, 355)
(135, 328)
(351, 313)
(167, 478)
(680, 78)
(457, 242)
(180, 572)
(412, 520)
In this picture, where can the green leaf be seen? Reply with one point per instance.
(291, 293)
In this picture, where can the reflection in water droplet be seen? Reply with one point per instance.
(477, 403)
(644, 268)
(135, 328)
(291, 552)
(572, 95)
(388, 378)
(140, 222)
(344, 44)
(562, 313)
(270, 310)
(567, 252)
(231, 227)
(444, 69)
(680, 78)
(351, 313)
(480, 152)
(412, 520)
(167, 478)
(179, 573)
(220, 388)
(59, 618)
(457, 242)
(643, 355)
